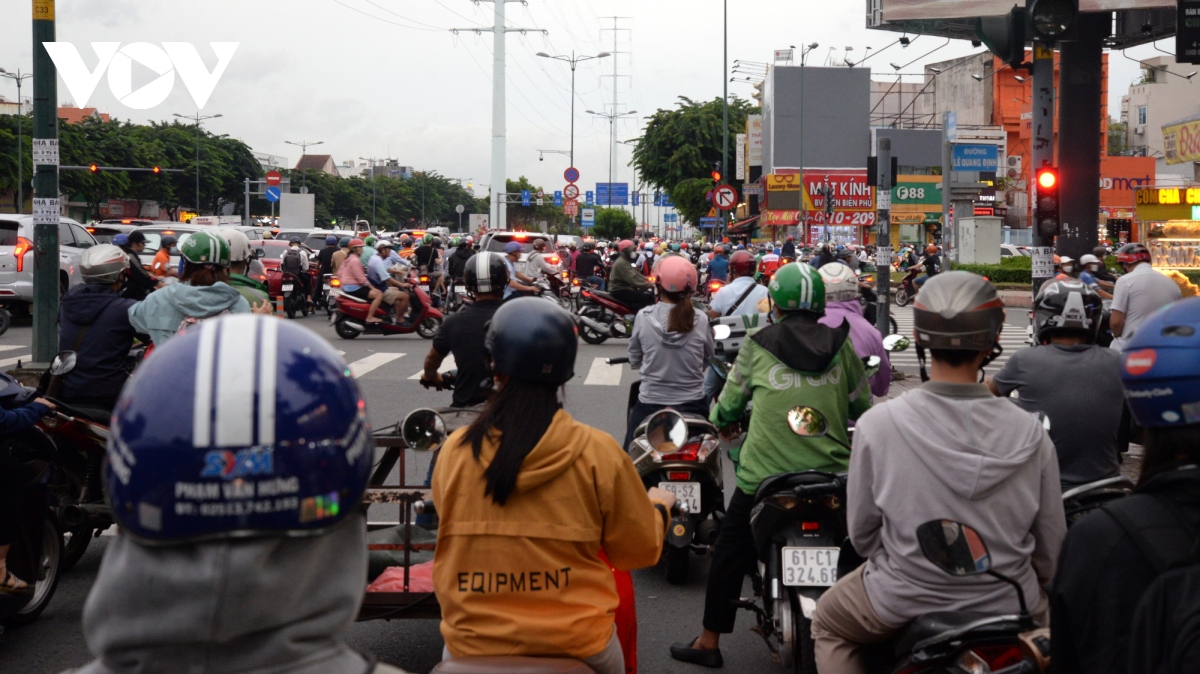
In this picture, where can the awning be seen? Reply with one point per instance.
(744, 227)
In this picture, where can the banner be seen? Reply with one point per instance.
(754, 132)
(903, 10)
(850, 190)
(785, 182)
(1181, 141)
(740, 160)
(782, 218)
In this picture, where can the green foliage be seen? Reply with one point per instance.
(529, 217)
(683, 144)
(1017, 262)
(999, 273)
(613, 224)
(690, 197)
(1117, 144)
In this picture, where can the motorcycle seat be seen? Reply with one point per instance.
(788, 481)
(933, 624)
(605, 295)
(96, 414)
(511, 665)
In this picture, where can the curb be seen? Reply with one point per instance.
(1019, 299)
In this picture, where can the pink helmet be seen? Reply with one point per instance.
(625, 243)
(675, 274)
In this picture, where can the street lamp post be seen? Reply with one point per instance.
(573, 60)
(303, 145)
(197, 118)
(18, 78)
(612, 117)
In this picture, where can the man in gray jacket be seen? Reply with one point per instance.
(948, 450)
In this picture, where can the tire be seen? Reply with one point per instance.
(5, 320)
(804, 657)
(678, 560)
(44, 589)
(291, 312)
(901, 297)
(588, 334)
(429, 327)
(344, 331)
(75, 543)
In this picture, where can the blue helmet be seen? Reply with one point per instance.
(121, 240)
(1161, 367)
(331, 240)
(513, 247)
(242, 426)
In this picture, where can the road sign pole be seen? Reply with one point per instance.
(1043, 151)
(883, 239)
(45, 190)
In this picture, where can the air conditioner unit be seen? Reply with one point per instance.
(1014, 166)
(1139, 129)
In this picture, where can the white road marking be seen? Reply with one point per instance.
(13, 361)
(603, 374)
(371, 362)
(10, 347)
(447, 365)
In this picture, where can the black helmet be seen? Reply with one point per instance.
(486, 273)
(532, 340)
(1066, 304)
(958, 311)
(294, 239)
(588, 246)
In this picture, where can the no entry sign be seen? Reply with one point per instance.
(274, 178)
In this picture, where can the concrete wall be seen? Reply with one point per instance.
(1167, 99)
(834, 104)
(955, 89)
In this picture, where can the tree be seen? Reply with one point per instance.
(691, 199)
(1117, 145)
(684, 144)
(613, 224)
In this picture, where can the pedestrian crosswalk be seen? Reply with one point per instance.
(1012, 339)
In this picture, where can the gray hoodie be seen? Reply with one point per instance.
(953, 451)
(672, 364)
(261, 606)
(162, 312)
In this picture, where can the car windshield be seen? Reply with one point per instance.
(104, 234)
(497, 244)
(274, 252)
(154, 239)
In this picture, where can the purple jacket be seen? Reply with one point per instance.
(866, 340)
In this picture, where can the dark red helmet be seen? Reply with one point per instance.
(741, 263)
(1132, 253)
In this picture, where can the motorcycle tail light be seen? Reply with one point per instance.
(566, 274)
(651, 279)
(689, 452)
(424, 279)
(715, 286)
(810, 526)
(679, 475)
(553, 259)
(997, 657)
(575, 282)
(19, 250)
(335, 283)
(971, 663)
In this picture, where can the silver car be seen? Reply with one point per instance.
(16, 256)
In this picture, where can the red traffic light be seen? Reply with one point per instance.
(716, 176)
(1047, 179)
(93, 168)
(156, 170)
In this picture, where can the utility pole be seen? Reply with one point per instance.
(614, 115)
(303, 145)
(45, 189)
(883, 238)
(1043, 151)
(197, 118)
(725, 102)
(499, 30)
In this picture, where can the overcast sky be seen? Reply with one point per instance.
(387, 78)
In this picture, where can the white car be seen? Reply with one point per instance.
(16, 256)
(1010, 250)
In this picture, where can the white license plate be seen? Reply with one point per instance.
(574, 290)
(326, 287)
(687, 492)
(810, 567)
(287, 287)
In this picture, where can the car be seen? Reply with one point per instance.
(1010, 250)
(270, 254)
(314, 239)
(494, 242)
(181, 232)
(104, 232)
(16, 256)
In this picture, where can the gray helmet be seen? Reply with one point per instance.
(104, 264)
(958, 311)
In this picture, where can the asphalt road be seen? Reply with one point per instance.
(387, 368)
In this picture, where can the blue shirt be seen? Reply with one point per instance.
(1088, 279)
(718, 268)
(512, 274)
(377, 272)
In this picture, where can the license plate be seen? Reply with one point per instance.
(327, 287)
(810, 567)
(574, 290)
(687, 492)
(287, 287)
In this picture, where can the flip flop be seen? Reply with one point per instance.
(14, 585)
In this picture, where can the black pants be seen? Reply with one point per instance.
(634, 299)
(733, 559)
(12, 495)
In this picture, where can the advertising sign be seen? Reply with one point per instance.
(904, 10)
(781, 218)
(740, 161)
(1181, 140)
(1121, 176)
(783, 182)
(478, 221)
(754, 131)
(45, 151)
(851, 192)
(975, 157)
(1187, 32)
(918, 192)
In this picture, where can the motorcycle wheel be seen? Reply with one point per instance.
(678, 560)
(44, 589)
(5, 320)
(901, 297)
(429, 328)
(75, 543)
(344, 330)
(895, 329)
(587, 333)
(804, 657)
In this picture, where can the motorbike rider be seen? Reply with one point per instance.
(12, 487)
(537, 265)
(240, 255)
(1140, 292)
(740, 297)
(768, 264)
(788, 249)
(1100, 270)
(202, 291)
(325, 259)
(528, 500)
(519, 285)
(462, 334)
(670, 346)
(972, 458)
(1084, 415)
(368, 250)
(625, 283)
(425, 256)
(353, 277)
(1112, 555)
(138, 282)
(456, 264)
(339, 257)
(161, 266)
(842, 306)
(795, 362)
(1089, 266)
(395, 292)
(202, 574)
(931, 264)
(589, 265)
(718, 266)
(295, 262)
(406, 247)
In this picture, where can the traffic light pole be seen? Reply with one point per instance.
(1078, 152)
(1043, 153)
(45, 190)
(883, 238)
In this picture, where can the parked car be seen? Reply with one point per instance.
(1010, 250)
(16, 256)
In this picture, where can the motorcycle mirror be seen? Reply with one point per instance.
(1045, 419)
(807, 422)
(893, 343)
(63, 363)
(423, 430)
(666, 431)
(721, 331)
(954, 548)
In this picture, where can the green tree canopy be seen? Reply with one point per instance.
(613, 224)
(691, 199)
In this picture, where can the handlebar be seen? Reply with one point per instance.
(616, 361)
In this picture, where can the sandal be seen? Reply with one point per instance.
(14, 585)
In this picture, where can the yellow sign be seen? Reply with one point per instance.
(1041, 51)
(907, 218)
(1181, 142)
(787, 182)
(43, 10)
(1169, 196)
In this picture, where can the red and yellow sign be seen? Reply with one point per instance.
(783, 182)
(851, 192)
(1181, 142)
(782, 218)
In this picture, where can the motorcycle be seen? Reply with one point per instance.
(602, 316)
(294, 299)
(1085, 498)
(321, 299)
(908, 287)
(869, 300)
(349, 319)
(711, 288)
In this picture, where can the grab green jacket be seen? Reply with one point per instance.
(795, 363)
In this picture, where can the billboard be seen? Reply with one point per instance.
(1121, 176)
(851, 192)
(905, 10)
(1181, 141)
(754, 130)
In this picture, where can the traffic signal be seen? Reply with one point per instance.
(1052, 19)
(716, 172)
(1048, 215)
(93, 168)
(156, 170)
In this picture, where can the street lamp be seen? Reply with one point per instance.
(573, 60)
(303, 145)
(18, 78)
(197, 118)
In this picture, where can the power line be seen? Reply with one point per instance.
(379, 18)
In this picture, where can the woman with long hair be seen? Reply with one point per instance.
(529, 500)
(671, 346)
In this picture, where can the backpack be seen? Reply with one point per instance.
(1165, 633)
(291, 262)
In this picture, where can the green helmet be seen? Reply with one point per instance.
(798, 287)
(456, 241)
(427, 239)
(205, 248)
(370, 241)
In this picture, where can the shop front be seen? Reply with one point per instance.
(916, 213)
(1169, 226)
(1157, 206)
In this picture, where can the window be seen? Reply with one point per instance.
(65, 237)
(1141, 114)
(82, 238)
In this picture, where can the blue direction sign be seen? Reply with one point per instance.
(670, 217)
(589, 217)
(558, 197)
(571, 175)
(975, 157)
(612, 194)
(658, 198)
(637, 199)
(589, 198)
(709, 223)
(272, 194)
(524, 197)
(666, 201)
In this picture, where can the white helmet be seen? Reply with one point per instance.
(238, 242)
(841, 283)
(103, 264)
(1089, 259)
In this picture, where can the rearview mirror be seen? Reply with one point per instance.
(721, 331)
(954, 548)
(63, 363)
(807, 422)
(423, 430)
(893, 343)
(666, 431)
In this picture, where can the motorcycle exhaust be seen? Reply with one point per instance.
(354, 326)
(596, 325)
(94, 514)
